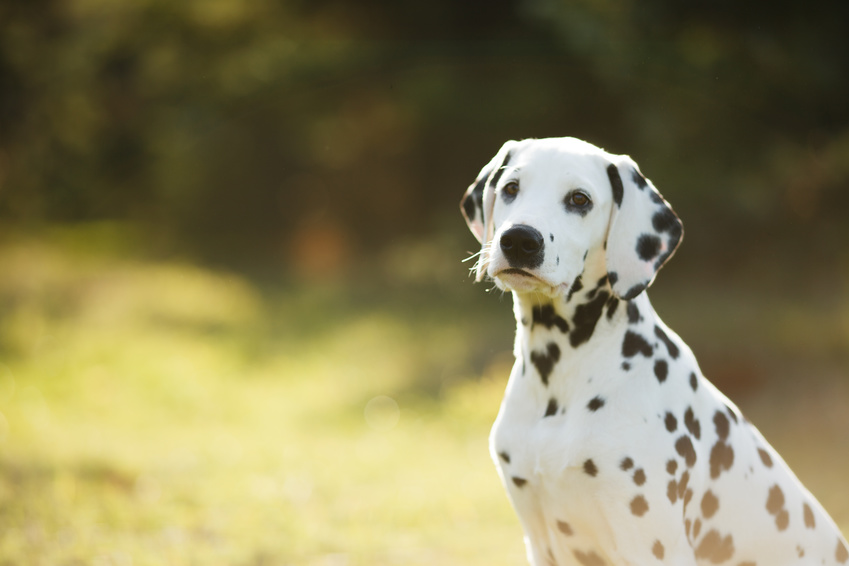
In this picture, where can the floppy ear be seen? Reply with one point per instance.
(643, 233)
(479, 199)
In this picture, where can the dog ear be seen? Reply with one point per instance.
(643, 232)
(478, 201)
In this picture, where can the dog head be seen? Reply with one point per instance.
(545, 209)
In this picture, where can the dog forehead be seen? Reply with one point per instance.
(554, 161)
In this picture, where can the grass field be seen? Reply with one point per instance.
(156, 412)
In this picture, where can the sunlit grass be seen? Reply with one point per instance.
(159, 413)
(151, 415)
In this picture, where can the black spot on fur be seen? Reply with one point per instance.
(715, 547)
(639, 476)
(634, 344)
(775, 506)
(721, 458)
(692, 423)
(670, 346)
(634, 291)
(595, 403)
(648, 246)
(672, 467)
(520, 482)
(697, 528)
(626, 464)
(682, 487)
(672, 491)
(545, 361)
(657, 550)
(577, 285)
(551, 237)
(565, 528)
(612, 276)
(639, 506)
(612, 303)
(710, 504)
(633, 313)
(615, 184)
(585, 318)
(590, 468)
(504, 456)
(548, 317)
(841, 554)
(694, 381)
(765, 457)
(809, 516)
(588, 558)
(684, 447)
(661, 370)
(671, 422)
(722, 425)
(551, 409)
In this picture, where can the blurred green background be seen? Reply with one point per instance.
(235, 327)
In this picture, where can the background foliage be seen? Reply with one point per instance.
(234, 323)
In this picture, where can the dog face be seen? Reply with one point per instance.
(545, 209)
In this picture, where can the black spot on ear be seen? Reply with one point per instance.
(615, 184)
(670, 345)
(496, 175)
(661, 370)
(551, 410)
(694, 381)
(504, 456)
(648, 246)
(665, 220)
(634, 344)
(590, 468)
(595, 403)
(639, 506)
(474, 201)
(638, 179)
(716, 548)
(520, 482)
(545, 361)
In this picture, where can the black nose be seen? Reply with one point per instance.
(522, 246)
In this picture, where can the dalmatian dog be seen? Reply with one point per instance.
(613, 447)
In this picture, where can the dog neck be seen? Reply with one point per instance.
(552, 332)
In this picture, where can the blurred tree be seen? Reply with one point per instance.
(251, 130)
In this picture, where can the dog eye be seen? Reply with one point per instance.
(579, 199)
(511, 188)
